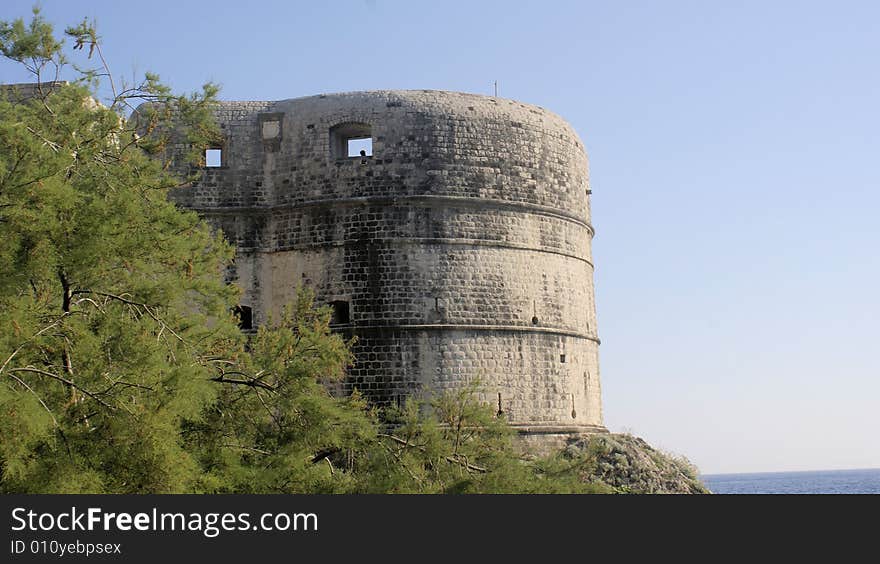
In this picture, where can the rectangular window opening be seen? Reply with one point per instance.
(245, 317)
(362, 147)
(351, 140)
(213, 158)
(341, 313)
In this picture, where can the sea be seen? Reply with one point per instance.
(811, 482)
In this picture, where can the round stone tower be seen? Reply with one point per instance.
(450, 232)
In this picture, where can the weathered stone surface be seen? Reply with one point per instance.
(629, 464)
(460, 248)
(22, 92)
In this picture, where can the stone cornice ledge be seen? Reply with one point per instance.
(468, 327)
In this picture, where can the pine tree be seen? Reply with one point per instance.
(122, 368)
(276, 428)
(112, 306)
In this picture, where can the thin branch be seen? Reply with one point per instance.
(107, 68)
(269, 411)
(51, 144)
(453, 459)
(91, 301)
(34, 336)
(260, 451)
(400, 461)
(126, 384)
(251, 383)
(146, 307)
(65, 381)
(39, 399)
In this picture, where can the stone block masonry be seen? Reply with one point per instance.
(456, 247)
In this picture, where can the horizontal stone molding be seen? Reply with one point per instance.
(491, 243)
(466, 327)
(538, 429)
(523, 207)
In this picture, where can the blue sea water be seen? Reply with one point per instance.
(814, 482)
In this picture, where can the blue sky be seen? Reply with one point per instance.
(735, 165)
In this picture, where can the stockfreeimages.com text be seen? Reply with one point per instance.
(209, 524)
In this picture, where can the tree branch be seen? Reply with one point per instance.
(65, 381)
(146, 307)
(453, 459)
(39, 399)
(240, 447)
(253, 383)
(34, 336)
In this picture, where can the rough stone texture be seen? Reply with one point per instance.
(22, 92)
(461, 246)
(630, 465)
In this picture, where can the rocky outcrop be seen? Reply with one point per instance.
(630, 465)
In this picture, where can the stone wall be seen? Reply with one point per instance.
(460, 247)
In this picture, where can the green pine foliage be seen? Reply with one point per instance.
(111, 303)
(453, 443)
(275, 425)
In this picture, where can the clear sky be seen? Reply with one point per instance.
(735, 165)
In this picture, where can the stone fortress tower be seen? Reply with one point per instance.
(457, 247)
